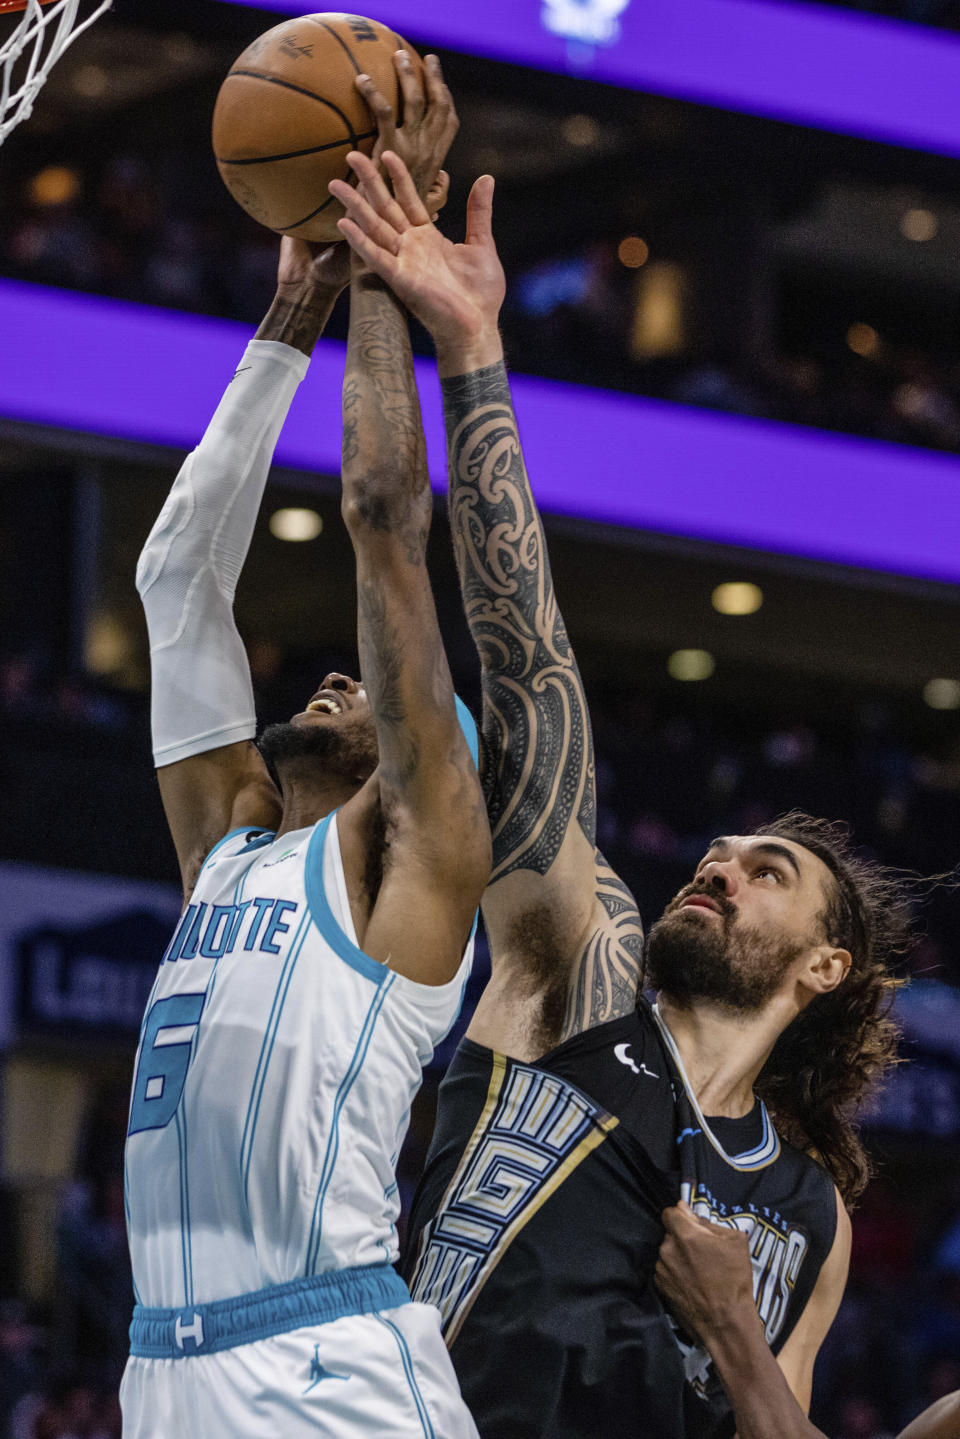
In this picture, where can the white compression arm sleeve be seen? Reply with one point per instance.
(201, 693)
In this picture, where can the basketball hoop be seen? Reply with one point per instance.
(47, 29)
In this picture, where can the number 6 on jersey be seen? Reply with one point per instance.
(164, 1060)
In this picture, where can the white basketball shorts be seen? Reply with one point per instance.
(385, 1374)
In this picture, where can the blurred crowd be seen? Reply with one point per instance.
(673, 769)
(149, 230)
(60, 1367)
(895, 1345)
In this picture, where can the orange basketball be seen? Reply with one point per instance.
(288, 114)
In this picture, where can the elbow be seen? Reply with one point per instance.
(383, 502)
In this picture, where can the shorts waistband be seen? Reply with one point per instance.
(226, 1323)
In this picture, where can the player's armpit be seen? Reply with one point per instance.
(799, 1353)
(559, 968)
(208, 795)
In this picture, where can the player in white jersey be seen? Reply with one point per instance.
(327, 930)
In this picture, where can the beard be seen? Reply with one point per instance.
(739, 968)
(348, 750)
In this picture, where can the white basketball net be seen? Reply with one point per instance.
(32, 50)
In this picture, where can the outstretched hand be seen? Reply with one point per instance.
(430, 123)
(455, 291)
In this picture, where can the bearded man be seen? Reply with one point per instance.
(575, 1111)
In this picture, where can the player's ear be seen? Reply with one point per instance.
(828, 968)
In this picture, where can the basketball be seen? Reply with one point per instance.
(288, 114)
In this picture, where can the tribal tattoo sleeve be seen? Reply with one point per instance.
(539, 771)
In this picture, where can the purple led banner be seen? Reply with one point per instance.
(84, 363)
(863, 76)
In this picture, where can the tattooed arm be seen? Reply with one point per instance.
(429, 842)
(565, 934)
(309, 282)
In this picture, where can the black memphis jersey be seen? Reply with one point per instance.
(536, 1226)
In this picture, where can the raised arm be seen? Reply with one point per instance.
(436, 838)
(565, 933)
(437, 848)
(211, 776)
(554, 907)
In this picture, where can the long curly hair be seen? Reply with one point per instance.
(825, 1063)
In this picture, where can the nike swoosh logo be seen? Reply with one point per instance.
(622, 1052)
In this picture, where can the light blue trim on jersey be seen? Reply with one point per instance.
(333, 1139)
(407, 1362)
(186, 1245)
(762, 1154)
(324, 917)
(237, 894)
(469, 726)
(266, 1048)
(227, 1323)
(126, 1147)
(126, 1215)
(266, 837)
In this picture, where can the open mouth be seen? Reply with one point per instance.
(324, 704)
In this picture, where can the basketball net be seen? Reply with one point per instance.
(33, 49)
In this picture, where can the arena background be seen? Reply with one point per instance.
(732, 236)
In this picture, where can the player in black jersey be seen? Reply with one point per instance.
(574, 1111)
(705, 1273)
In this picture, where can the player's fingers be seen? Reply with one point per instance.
(375, 192)
(438, 194)
(663, 1273)
(364, 216)
(442, 108)
(404, 189)
(480, 212)
(411, 88)
(381, 107)
(381, 261)
(670, 1218)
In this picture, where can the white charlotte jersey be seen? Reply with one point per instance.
(275, 1072)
